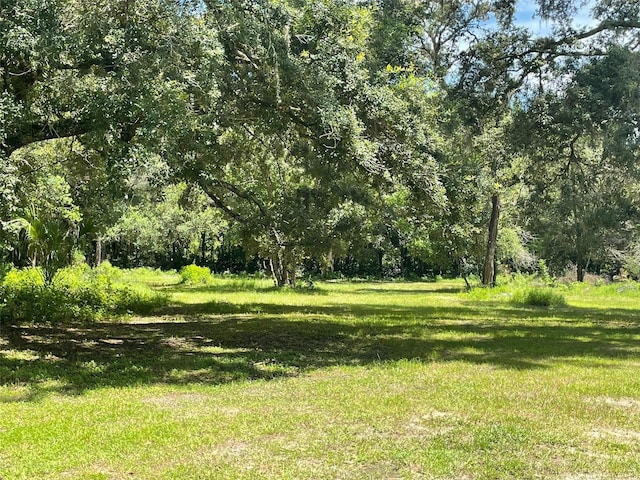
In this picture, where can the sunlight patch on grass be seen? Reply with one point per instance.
(24, 355)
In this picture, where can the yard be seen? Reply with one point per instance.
(349, 380)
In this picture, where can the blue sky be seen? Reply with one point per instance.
(526, 16)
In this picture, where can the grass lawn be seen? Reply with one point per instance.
(347, 381)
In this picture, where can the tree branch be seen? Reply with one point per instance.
(606, 25)
(40, 131)
(218, 203)
(244, 195)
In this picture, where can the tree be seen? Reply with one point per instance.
(109, 69)
(113, 78)
(583, 146)
(303, 126)
(167, 225)
(9, 204)
(484, 66)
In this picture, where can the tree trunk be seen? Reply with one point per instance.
(495, 270)
(203, 248)
(489, 270)
(580, 248)
(283, 267)
(330, 263)
(277, 271)
(580, 267)
(98, 252)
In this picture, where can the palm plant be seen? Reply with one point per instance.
(50, 238)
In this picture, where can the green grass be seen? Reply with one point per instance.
(237, 380)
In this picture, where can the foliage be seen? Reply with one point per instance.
(193, 274)
(50, 237)
(543, 271)
(522, 289)
(167, 222)
(538, 297)
(75, 294)
(4, 269)
(630, 259)
(367, 136)
(9, 203)
(581, 207)
(318, 134)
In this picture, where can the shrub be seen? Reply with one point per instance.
(4, 269)
(538, 297)
(76, 293)
(108, 272)
(192, 274)
(543, 271)
(136, 299)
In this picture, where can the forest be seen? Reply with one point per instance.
(374, 138)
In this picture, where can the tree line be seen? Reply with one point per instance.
(378, 137)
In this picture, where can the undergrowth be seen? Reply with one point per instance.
(538, 297)
(194, 274)
(522, 290)
(76, 293)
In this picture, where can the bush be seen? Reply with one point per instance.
(543, 271)
(192, 274)
(4, 269)
(136, 299)
(76, 293)
(538, 297)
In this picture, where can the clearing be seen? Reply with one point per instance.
(236, 380)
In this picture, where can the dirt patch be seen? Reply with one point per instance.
(182, 402)
(582, 476)
(382, 470)
(231, 448)
(623, 402)
(179, 343)
(437, 415)
(617, 402)
(629, 437)
(431, 424)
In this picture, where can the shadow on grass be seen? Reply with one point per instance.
(475, 310)
(230, 287)
(392, 291)
(266, 341)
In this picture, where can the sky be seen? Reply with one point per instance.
(526, 16)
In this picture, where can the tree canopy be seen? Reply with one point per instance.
(380, 137)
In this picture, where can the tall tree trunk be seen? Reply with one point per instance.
(580, 261)
(489, 270)
(98, 252)
(580, 267)
(276, 270)
(329, 263)
(203, 248)
(291, 266)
